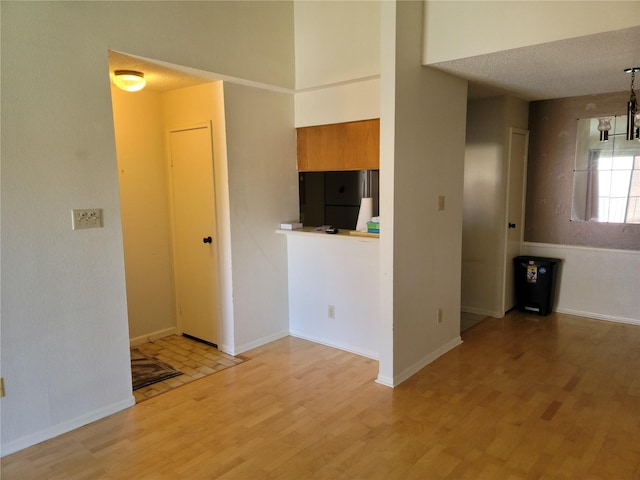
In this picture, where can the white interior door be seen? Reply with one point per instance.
(516, 178)
(195, 247)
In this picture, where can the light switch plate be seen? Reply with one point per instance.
(86, 218)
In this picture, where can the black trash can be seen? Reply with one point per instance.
(535, 283)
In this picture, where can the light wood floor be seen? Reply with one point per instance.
(523, 397)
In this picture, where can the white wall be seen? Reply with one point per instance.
(336, 41)
(144, 204)
(198, 105)
(65, 339)
(459, 29)
(338, 270)
(595, 282)
(430, 114)
(250, 124)
(485, 183)
(263, 189)
(484, 208)
(333, 83)
(357, 100)
(387, 185)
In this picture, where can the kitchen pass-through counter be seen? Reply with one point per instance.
(334, 275)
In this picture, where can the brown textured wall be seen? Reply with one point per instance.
(552, 146)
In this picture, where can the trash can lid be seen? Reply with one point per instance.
(531, 260)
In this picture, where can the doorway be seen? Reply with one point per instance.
(142, 121)
(494, 188)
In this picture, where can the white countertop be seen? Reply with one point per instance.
(343, 234)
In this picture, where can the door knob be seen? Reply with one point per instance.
(207, 240)
(512, 225)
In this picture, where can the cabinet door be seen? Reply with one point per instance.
(339, 146)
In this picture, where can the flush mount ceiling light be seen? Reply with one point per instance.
(129, 80)
(633, 116)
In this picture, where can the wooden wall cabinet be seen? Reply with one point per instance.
(339, 146)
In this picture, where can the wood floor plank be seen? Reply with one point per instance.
(524, 397)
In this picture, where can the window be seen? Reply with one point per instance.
(607, 175)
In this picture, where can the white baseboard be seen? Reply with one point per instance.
(420, 364)
(597, 316)
(481, 311)
(384, 380)
(49, 433)
(258, 343)
(568, 311)
(152, 336)
(340, 346)
(228, 349)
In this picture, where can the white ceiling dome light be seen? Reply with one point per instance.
(129, 80)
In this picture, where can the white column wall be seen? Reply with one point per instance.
(430, 116)
(387, 189)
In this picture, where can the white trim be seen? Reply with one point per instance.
(61, 428)
(341, 235)
(386, 381)
(228, 349)
(217, 77)
(338, 84)
(420, 364)
(506, 265)
(597, 316)
(258, 343)
(481, 311)
(150, 337)
(340, 346)
(211, 76)
(581, 248)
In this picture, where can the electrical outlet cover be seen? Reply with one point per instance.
(86, 218)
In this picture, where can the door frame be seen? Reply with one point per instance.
(507, 261)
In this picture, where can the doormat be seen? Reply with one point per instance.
(146, 370)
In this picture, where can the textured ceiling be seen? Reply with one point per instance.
(586, 65)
